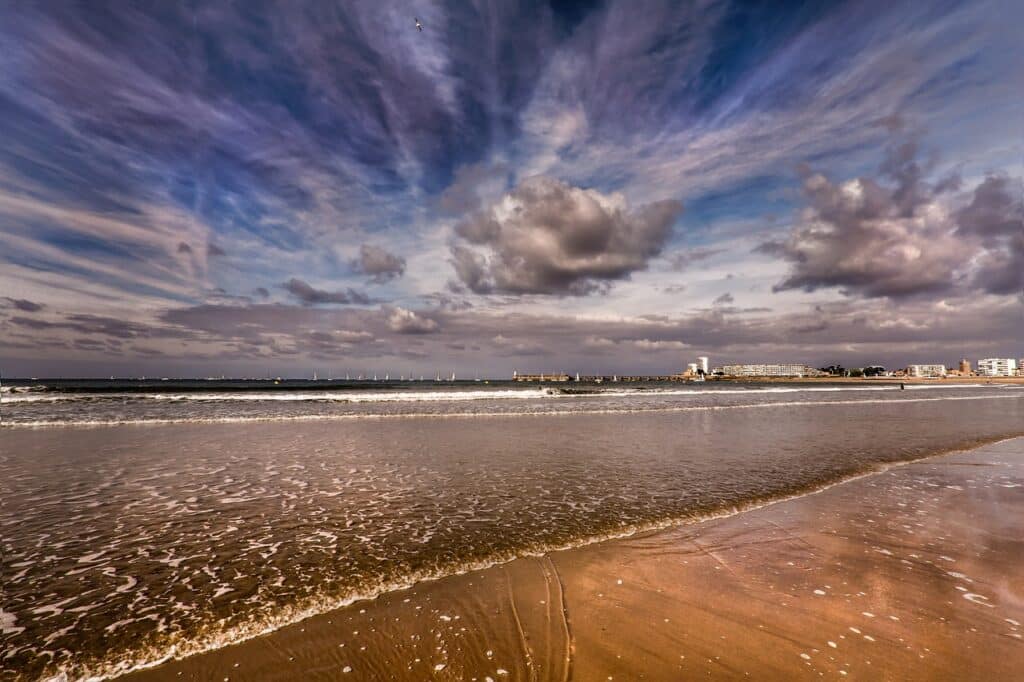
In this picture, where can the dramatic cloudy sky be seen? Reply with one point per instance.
(253, 188)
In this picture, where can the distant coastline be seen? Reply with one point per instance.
(870, 380)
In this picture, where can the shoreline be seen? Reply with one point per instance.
(160, 421)
(368, 603)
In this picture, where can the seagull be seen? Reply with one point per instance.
(419, 26)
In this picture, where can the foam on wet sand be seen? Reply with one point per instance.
(796, 587)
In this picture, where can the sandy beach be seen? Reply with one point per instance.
(916, 572)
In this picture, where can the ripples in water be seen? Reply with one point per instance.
(125, 545)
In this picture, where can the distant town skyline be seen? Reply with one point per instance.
(204, 189)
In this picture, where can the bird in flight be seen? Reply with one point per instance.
(419, 26)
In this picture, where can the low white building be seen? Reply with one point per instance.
(771, 371)
(997, 367)
(926, 371)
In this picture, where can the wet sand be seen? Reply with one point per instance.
(913, 573)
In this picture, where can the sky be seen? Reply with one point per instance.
(253, 189)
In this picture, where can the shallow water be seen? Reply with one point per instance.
(125, 544)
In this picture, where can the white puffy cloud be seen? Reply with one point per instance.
(548, 237)
(403, 321)
(901, 238)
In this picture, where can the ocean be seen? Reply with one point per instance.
(142, 520)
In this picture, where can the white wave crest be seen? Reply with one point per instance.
(493, 414)
(545, 392)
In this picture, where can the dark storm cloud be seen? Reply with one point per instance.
(995, 216)
(548, 237)
(724, 299)
(312, 296)
(1001, 272)
(381, 265)
(261, 292)
(184, 248)
(24, 305)
(995, 211)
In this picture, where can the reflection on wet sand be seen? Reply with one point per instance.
(913, 573)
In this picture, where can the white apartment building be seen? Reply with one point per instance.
(770, 371)
(997, 367)
(926, 371)
(703, 362)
